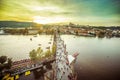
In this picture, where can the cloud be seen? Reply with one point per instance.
(74, 9)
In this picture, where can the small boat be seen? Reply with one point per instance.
(35, 36)
(49, 42)
(75, 55)
(39, 44)
(47, 47)
(30, 39)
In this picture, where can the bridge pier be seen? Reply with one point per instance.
(49, 66)
(39, 73)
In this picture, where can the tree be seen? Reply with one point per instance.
(1, 67)
(47, 53)
(39, 52)
(33, 54)
(53, 48)
(9, 63)
(40, 31)
(5, 63)
(3, 59)
(26, 30)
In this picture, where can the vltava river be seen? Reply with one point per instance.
(99, 58)
(18, 47)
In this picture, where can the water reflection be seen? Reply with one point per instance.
(99, 57)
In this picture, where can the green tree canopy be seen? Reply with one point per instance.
(33, 54)
(3, 59)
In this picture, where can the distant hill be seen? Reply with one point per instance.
(15, 24)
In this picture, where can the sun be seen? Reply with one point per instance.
(40, 20)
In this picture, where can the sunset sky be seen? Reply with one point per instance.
(84, 12)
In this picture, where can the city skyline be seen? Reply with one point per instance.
(84, 12)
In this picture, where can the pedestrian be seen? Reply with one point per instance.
(69, 77)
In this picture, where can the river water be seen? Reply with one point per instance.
(99, 58)
(18, 47)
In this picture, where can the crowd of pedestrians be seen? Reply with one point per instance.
(63, 69)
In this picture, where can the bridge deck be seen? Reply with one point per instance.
(63, 69)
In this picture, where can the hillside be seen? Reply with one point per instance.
(15, 24)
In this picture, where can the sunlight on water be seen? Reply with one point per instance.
(18, 47)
